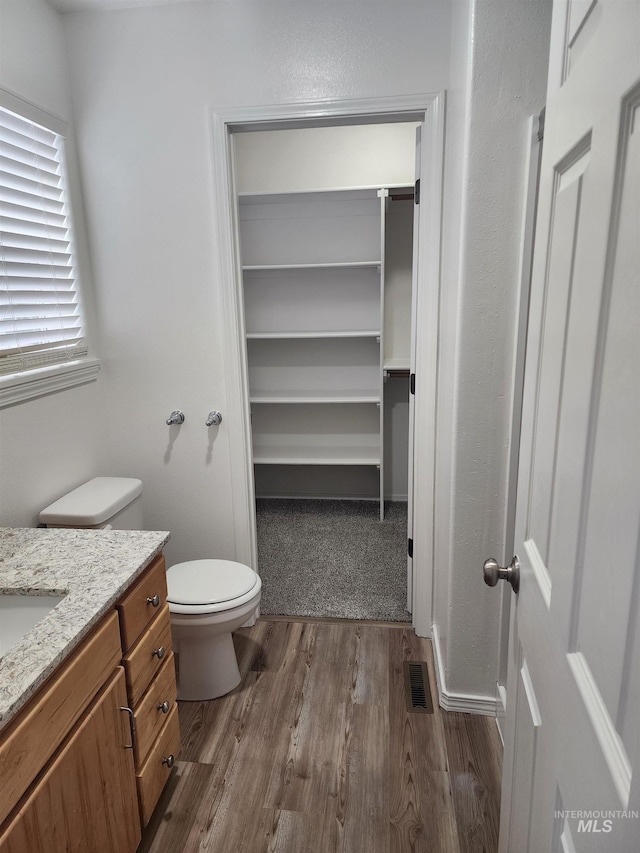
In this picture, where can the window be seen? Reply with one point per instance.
(40, 316)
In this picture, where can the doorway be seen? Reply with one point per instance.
(427, 109)
(326, 252)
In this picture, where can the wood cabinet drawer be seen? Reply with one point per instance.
(155, 771)
(147, 656)
(150, 715)
(139, 606)
(40, 728)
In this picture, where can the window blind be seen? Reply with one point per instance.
(40, 317)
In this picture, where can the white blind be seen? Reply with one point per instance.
(40, 319)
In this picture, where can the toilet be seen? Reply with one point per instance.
(208, 599)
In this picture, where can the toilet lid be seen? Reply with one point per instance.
(208, 581)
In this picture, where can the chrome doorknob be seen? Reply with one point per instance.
(493, 573)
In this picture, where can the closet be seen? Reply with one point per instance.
(327, 302)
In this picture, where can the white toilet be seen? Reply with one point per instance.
(208, 599)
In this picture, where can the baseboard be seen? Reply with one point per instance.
(501, 710)
(467, 703)
(502, 699)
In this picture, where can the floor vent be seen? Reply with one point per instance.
(416, 687)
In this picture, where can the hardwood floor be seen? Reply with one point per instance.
(314, 752)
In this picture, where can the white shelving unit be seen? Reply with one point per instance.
(328, 434)
(313, 272)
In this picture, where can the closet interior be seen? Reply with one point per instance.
(326, 254)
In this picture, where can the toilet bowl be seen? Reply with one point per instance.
(208, 599)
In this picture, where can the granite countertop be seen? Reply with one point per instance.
(90, 568)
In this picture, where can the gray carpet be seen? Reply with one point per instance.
(332, 558)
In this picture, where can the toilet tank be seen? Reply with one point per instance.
(102, 503)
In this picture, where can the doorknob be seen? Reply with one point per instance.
(493, 573)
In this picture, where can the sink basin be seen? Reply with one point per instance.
(20, 613)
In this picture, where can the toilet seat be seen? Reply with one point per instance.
(210, 586)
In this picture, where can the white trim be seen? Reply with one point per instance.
(429, 108)
(425, 367)
(32, 112)
(236, 372)
(20, 387)
(610, 741)
(468, 703)
(501, 701)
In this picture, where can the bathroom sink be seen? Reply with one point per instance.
(20, 613)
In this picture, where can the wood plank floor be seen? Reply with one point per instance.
(314, 752)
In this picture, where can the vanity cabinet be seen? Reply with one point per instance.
(148, 662)
(83, 765)
(86, 800)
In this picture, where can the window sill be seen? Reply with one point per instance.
(20, 387)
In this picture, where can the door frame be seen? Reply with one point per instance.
(428, 108)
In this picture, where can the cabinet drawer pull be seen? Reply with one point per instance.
(155, 601)
(164, 707)
(169, 761)
(132, 724)
(159, 653)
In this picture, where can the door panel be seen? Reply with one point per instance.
(572, 755)
(528, 722)
(558, 287)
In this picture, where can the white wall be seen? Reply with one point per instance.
(143, 84)
(497, 82)
(54, 443)
(370, 155)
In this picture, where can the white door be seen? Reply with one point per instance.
(572, 746)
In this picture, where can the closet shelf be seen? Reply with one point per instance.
(266, 196)
(334, 396)
(337, 265)
(346, 333)
(314, 455)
